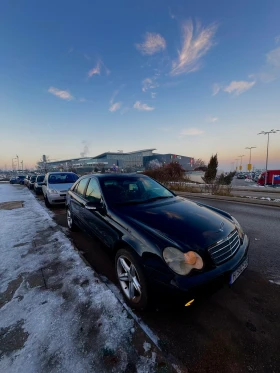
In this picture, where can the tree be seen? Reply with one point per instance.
(226, 179)
(211, 172)
(198, 163)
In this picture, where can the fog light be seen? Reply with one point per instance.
(189, 303)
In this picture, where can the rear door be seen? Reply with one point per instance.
(77, 200)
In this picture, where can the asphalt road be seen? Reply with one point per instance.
(235, 330)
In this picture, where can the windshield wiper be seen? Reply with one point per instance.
(156, 198)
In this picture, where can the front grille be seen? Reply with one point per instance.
(224, 250)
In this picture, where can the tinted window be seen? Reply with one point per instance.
(81, 186)
(33, 178)
(93, 193)
(62, 178)
(40, 178)
(133, 190)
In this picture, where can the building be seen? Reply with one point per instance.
(118, 161)
(185, 162)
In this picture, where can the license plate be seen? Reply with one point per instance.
(234, 276)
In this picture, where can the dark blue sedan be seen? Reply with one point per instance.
(160, 241)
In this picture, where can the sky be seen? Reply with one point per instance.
(193, 78)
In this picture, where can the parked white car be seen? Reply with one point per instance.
(56, 185)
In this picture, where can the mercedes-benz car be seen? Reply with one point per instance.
(160, 241)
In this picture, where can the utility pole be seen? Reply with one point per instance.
(236, 161)
(249, 164)
(21, 165)
(267, 133)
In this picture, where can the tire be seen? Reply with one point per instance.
(70, 221)
(134, 288)
(47, 203)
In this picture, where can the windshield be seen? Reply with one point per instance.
(133, 190)
(40, 178)
(62, 178)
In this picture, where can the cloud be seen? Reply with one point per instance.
(70, 50)
(116, 106)
(142, 107)
(152, 44)
(213, 119)
(216, 89)
(100, 66)
(171, 15)
(196, 42)
(238, 87)
(82, 99)
(87, 57)
(95, 70)
(115, 93)
(191, 132)
(148, 83)
(153, 94)
(271, 70)
(64, 95)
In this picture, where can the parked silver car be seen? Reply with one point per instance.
(56, 185)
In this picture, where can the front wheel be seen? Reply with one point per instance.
(131, 279)
(71, 225)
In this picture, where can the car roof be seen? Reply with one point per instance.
(60, 172)
(116, 176)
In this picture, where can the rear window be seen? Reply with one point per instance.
(62, 178)
(40, 178)
(33, 178)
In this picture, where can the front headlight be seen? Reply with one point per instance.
(239, 228)
(53, 191)
(182, 263)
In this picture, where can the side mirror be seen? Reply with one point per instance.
(94, 205)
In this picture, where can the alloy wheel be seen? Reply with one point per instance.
(129, 279)
(69, 219)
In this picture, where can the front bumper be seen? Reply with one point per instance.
(186, 286)
(56, 198)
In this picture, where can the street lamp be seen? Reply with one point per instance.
(241, 156)
(249, 165)
(13, 163)
(267, 133)
(17, 162)
(236, 159)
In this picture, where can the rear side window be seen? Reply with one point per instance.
(93, 193)
(81, 187)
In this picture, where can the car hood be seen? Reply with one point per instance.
(60, 187)
(183, 222)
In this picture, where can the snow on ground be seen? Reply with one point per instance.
(65, 318)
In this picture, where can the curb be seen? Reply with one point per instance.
(228, 199)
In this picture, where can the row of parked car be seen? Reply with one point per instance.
(252, 176)
(31, 181)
